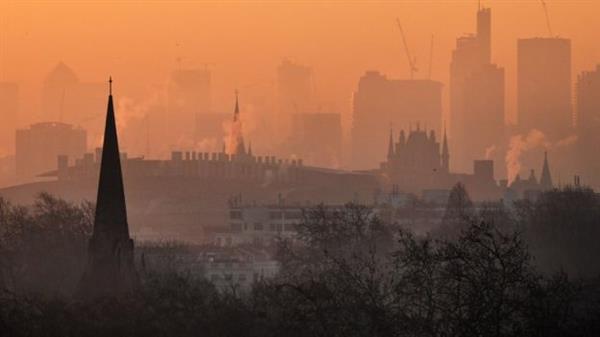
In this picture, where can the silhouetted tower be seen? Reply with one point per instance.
(110, 270)
(476, 96)
(445, 154)
(546, 178)
(484, 34)
(391, 145)
(544, 86)
(236, 132)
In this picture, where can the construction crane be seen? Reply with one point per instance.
(547, 17)
(411, 61)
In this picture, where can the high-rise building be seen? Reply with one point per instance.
(39, 146)
(317, 138)
(544, 86)
(67, 99)
(588, 102)
(294, 88)
(189, 93)
(295, 93)
(380, 101)
(588, 125)
(476, 97)
(9, 108)
(484, 130)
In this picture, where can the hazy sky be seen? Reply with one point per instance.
(138, 43)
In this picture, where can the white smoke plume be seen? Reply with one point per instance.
(517, 146)
(490, 151)
(520, 144)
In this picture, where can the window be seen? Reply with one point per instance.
(290, 227)
(258, 226)
(235, 214)
(293, 215)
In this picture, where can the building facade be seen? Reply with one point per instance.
(38, 147)
(476, 97)
(544, 86)
(379, 102)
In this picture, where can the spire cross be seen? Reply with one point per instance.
(110, 85)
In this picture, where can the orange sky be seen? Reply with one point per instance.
(243, 41)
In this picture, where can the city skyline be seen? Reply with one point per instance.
(376, 46)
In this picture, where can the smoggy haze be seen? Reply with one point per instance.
(242, 43)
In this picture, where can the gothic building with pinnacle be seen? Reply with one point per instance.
(110, 267)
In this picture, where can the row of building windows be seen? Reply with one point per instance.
(273, 227)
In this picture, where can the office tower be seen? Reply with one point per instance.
(317, 138)
(294, 94)
(484, 128)
(38, 147)
(380, 101)
(544, 86)
(9, 108)
(588, 125)
(188, 96)
(588, 102)
(476, 97)
(67, 99)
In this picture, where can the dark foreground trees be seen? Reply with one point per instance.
(348, 274)
(481, 284)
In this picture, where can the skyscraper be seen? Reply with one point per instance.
(380, 101)
(67, 99)
(110, 269)
(544, 86)
(38, 147)
(588, 125)
(588, 102)
(317, 138)
(9, 107)
(189, 93)
(476, 96)
(294, 94)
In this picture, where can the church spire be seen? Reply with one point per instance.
(236, 130)
(236, 112)
(391, 145)
(445, 153)
(546, 178)
(110, 270)
(111, 213)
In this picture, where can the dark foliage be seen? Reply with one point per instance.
(348, 274)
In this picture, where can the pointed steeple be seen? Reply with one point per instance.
(445, 153)
(402, 137)
(390, 154)
(110, 270)
(532, 179)
(236, 132)
(546, 178)
(111, 213)
(250, 148)
(236, 112)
